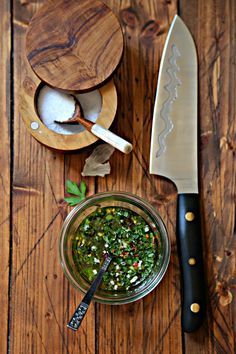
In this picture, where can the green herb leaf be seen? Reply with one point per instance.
(83, 187)
(72, 188)
(72, 201)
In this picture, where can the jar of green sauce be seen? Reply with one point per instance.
(124, 226)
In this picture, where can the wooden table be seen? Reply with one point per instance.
(36, 299)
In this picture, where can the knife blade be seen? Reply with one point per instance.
(173, 155)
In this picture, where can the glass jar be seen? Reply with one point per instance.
(123, 200)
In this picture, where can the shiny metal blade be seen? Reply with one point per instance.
(174, 130)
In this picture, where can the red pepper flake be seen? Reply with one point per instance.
(147, 236)
(135, 264)
(124, 254)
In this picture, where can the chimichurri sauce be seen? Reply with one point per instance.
(124, 234)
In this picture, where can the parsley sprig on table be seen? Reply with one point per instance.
(78, 192)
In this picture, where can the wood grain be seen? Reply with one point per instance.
(41, 295)
(41, 299)
(213, 26)
(5, 168)
(74, 45)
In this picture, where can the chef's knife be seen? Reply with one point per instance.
(174, 155)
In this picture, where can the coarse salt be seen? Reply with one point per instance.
(55, 105)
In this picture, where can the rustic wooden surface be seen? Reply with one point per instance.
(5, 167)
(36, 299)
(80, 53)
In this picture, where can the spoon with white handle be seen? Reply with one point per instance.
(81, 310)
(97, 130)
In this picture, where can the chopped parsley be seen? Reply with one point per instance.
(134, 244)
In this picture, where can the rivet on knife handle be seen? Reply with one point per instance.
(191, 262)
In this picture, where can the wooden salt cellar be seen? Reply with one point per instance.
(73, 46)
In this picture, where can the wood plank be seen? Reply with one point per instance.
(213, 26)
(5, 179)
(42, 299)
(151, 325)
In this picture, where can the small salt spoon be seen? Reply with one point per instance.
(97, 130)
(81, 310)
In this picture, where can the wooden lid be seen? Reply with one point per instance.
(74, 45)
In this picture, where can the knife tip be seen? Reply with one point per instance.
(176, 19)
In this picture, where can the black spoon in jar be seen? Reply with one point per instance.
(81, 310)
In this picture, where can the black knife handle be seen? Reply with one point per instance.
(191, 261)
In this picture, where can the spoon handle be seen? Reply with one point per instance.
(111, 138)
(81, 310)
